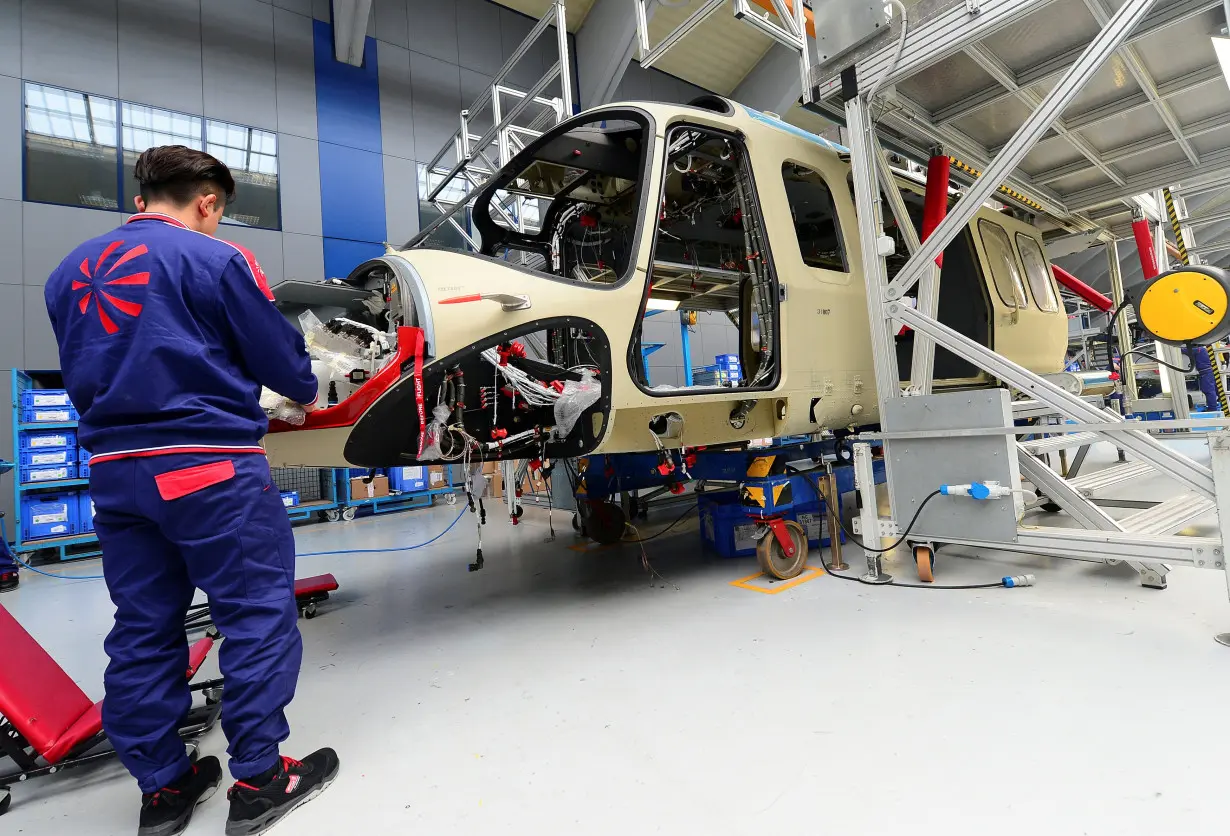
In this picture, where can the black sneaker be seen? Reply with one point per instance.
(9, 581)
(168, 811)
(256, 809)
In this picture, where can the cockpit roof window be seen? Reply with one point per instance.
(571, 204)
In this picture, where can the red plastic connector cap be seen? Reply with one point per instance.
(676, 488)
(499, 434)
(535, 464)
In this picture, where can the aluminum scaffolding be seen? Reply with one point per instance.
(873, 83)
(513, 118)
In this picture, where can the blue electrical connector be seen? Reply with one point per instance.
(977, 490)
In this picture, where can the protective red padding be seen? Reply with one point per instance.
(198, 653)
(315, 586)
(935, 202)
(87, 726)
(37, 696)
(1096, 298)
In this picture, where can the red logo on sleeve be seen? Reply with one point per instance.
(100, 289)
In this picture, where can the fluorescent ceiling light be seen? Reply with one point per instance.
(658, 304)
(1222, 47)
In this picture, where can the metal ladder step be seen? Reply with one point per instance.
(1111, 476)
(1059, 442)
(1169, 516)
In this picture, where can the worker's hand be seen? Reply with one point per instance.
(310, 407)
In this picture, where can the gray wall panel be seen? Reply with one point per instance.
(437, 103)
(296, 73)
(10, 43)
(10, 245)
(433, 29)
(49, 233)
(478, 36)
(303, 257)
(303, 7)
(160, 53)
(396, 101)
(322, 10)
(40, 349)
(265, 244)
(10, 138)
(401, 201)
(472, 86)
(72, 43)
(299, 167)
(237, 39)
(392, 21)
(513, 29)
(12, 339)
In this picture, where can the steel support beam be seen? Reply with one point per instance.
(606, 43)
(773, 84)
(1096, 54)
(1123, 332)
(1168, 15)
(350, 20)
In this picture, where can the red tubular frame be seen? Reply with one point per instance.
(1144, 247)
(935, 207)
(1096, 298)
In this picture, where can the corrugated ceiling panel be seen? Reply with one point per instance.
(716, 55)
(576, 10)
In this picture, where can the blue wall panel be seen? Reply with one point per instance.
(351, 193)
(347, 98)
(352, 209)
(342, 256)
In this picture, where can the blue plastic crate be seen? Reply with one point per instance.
(53, 473)
(290, 499)
(83, 455)
(407, 479)
(1210, 414)
(40, 439)
(85, 513)
(48, 515)
(48, 415)
(726, 526)
(36, 398)
(83, 471)
(48, 457)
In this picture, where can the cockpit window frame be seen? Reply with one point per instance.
(489, 230)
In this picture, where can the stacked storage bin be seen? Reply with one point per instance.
(46, 457)
(729, 363)
(407, 479)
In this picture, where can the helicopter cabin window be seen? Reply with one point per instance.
(815, 218)
(1041, 282)
(569, 204)
(1005, 272)
(710, 311)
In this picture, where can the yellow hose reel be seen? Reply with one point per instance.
(1187, 305)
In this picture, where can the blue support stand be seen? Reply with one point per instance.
(685, 341)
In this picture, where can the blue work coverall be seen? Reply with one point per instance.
(166, 336)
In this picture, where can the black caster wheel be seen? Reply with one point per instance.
(450, 499)
(606, 523)
(333, 515)
(348, 513)
(6, 799)
(773, 558)
(310, 611)
(576, 523)
(213, 696)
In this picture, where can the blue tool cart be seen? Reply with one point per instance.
(308, 492)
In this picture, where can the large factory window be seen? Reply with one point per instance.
(815, 218)
(1004, 268)
(71, 154)
(146, 127)
(74, 143)
(1041, 282)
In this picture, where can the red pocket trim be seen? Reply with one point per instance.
(181, 483)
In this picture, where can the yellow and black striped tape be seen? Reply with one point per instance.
(1012, 193)
(1176, 226)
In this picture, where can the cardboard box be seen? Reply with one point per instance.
(377, 488)
(437, 476)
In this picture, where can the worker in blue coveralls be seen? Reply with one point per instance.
(166, 336)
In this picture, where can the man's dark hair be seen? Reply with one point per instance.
(180, 174)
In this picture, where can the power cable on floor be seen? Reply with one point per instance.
(656, 535)
(38, 571)
(850, 536)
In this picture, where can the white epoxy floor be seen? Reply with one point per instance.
(565, 692)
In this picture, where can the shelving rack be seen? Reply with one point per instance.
(350, 503)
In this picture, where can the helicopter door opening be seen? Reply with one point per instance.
(963, 304)
(709, 318)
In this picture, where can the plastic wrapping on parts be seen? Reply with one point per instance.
(436, 428)
(578, 396)
(280, 408)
